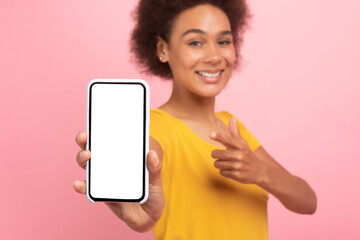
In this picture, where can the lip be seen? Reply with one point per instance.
(208, 79)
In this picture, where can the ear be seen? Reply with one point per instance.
(162, 50)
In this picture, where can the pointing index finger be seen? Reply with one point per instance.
(234, 131)
(233, 128)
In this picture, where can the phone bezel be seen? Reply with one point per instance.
(145, 86)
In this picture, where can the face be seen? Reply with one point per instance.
(200, 51)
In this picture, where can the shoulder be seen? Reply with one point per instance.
(158, 118)
(156, 113)
(161, 128)
(225, 115)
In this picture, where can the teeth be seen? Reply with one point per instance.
(207, 74)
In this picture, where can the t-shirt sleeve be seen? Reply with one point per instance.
(159, 129)
(250, 139)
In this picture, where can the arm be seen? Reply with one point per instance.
(292, 191)
(239, 163)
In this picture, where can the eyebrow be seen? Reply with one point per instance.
(195, 30)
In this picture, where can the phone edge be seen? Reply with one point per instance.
(147, 117)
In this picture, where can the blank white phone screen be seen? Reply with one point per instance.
(117, 128)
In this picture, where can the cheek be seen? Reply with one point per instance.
(230, 56)
(183, 63)
(188, 58)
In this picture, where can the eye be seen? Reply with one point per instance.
(195, 43)
(225, 42)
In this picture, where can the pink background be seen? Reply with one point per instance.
(298, 92)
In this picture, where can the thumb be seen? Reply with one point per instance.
(154, 166)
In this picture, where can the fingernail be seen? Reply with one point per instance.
(213, 134)
(157, 162)
(156, 159)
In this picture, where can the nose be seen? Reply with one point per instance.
(212, 55)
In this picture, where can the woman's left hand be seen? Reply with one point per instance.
(237, 161)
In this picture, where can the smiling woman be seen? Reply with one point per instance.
(155, 18)
(209, 177)
(200, 51)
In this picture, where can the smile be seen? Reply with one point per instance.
(208, 74)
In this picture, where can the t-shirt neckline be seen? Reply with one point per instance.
(190, 130)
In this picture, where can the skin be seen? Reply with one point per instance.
(201, 41)
(140, 218)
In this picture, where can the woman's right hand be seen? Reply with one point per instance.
(140, 218)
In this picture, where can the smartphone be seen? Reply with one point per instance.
(118, 139)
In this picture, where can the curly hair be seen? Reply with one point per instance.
(156, 18)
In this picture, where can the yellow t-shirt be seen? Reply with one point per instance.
(199, 202)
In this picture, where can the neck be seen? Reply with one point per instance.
(187, 105)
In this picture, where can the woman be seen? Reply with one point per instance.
(209, 176)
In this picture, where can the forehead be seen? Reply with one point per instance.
(206, 17)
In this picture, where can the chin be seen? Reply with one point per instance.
(210, 92)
